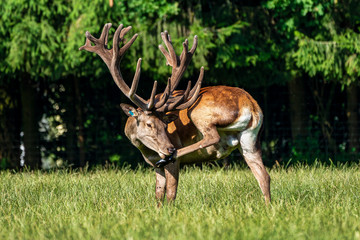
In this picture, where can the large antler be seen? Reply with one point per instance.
(112, 58)
(168, 101)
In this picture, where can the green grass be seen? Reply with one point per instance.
(308, 203)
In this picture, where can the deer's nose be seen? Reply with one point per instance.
(171, 150)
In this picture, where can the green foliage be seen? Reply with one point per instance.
(32, 42)
(31, 35)
(308, 202)
(335, 60)
(43, 39)
(323, 37)
(92, 17)
(305, 32)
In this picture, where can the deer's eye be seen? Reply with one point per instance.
(149, 125)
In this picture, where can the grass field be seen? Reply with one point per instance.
(308, 203)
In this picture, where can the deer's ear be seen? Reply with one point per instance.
(129, 110)
(168, 118)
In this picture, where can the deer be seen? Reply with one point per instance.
(195, 125)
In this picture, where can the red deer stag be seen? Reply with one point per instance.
(176, 126)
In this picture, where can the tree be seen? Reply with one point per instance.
(31, 43)
(323, 44)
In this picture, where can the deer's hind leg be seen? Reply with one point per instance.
(251, 151)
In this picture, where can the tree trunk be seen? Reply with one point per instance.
(30, 124)
(323, 109)
(298, 114)
(352, 118)
(9, 131)
(70, 122)
(80, 123)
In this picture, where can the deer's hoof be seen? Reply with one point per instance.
(161, 163)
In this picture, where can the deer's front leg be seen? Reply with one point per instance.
(210, 137)
(160, 185)
(172, 180)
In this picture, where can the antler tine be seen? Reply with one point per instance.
(194, 92)
(87, 46)
(119, 36)
(171, 59)
(177, 102)
(186, 55)
(150, 104)
(178, 64)
(187, 91)
(104, 34)
(116, 41)
(136, 79)
(129, 43)
(125, 31)
(165, 53)
(141, 103)
(199, 82)
(134, 98)
(165, 96)
(185, 49)
(180, 99)
(185, 59)
(171, 56)
(106, 38)
(100, 44)
(194, 46)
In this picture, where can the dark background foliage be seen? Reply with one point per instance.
(299, 59)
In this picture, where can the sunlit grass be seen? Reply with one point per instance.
(308, 203)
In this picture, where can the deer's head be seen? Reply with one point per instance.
(144, 127)
(148, 122)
